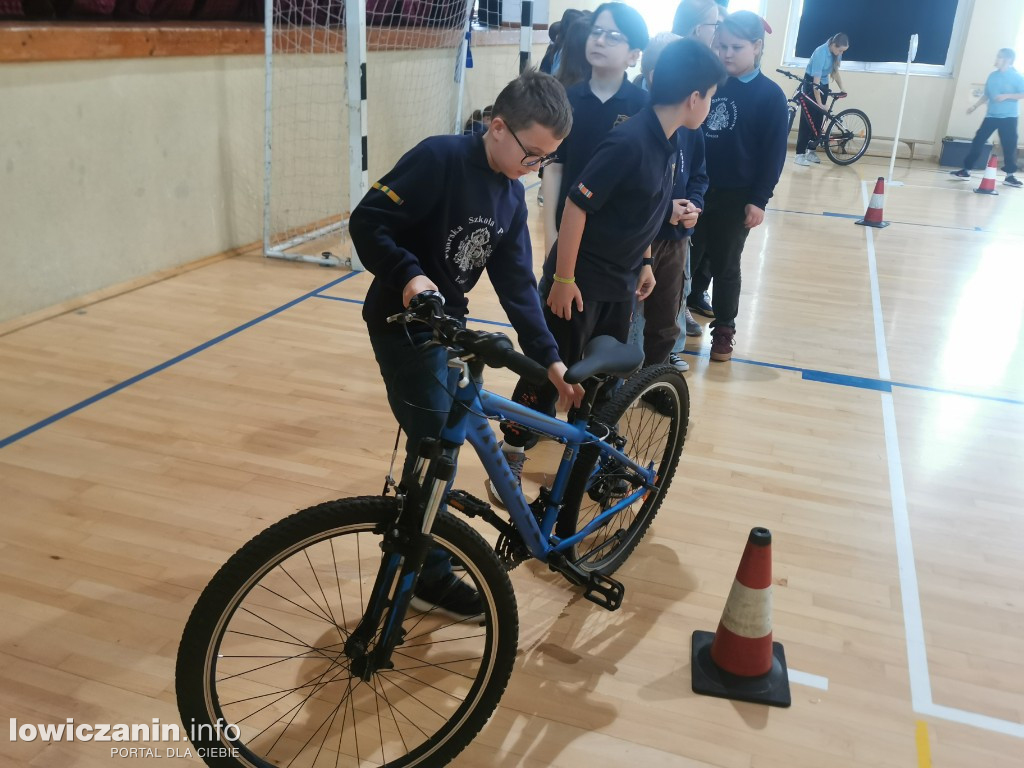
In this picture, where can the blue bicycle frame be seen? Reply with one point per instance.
(472, 426)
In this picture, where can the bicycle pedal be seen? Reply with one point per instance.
(605, 591)
(468, 504)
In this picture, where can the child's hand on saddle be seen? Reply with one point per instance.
(568, 394)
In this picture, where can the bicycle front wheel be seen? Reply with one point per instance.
(847, 137)
(262, 675)
(648, 416)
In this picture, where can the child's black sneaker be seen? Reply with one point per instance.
(449, 596)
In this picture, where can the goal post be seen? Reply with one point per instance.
(350, 87)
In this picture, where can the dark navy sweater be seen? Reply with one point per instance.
(745, 137)
(443, 213)
(691, 179)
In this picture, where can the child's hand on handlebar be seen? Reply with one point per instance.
(568, 394)
(416, 286)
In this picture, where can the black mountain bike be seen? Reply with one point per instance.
(846, 135)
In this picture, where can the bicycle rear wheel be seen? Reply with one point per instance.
(649, 416)
(847, 137)
(264, 650)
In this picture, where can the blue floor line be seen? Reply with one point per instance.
(825, 377)
(859, 382)
(163, 366)
(836, 215)
(807, 374)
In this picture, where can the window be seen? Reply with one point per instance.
(880, 33)
(659, 13)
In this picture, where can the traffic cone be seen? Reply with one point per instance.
(873, 215)
(740, 661)
(988, 184)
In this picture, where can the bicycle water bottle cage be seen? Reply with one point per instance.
(605, 355)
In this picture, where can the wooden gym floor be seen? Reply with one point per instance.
(873, 419)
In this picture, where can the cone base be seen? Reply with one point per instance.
(875, 224)
(985, 192)
(708, 679)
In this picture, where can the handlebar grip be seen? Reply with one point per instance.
(529, 369)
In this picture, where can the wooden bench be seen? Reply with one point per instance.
(911, 143)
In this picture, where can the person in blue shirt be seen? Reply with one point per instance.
(823, 65)
(601, 263)
(745, 139)
(1004, 89)
(452, 207)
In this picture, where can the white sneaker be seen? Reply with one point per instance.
(678, 363)
(812, 157)
(802, 160)
(516, 460)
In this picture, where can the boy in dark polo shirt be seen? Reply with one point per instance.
(607, 98)
(615, 208)
(452, 207)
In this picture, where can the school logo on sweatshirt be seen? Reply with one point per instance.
(722, 116)
(472, 252)
(620, 120)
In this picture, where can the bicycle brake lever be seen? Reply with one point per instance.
(456, 362)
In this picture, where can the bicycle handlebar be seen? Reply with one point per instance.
(492, 349)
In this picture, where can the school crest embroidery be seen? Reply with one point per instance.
(719, 117)
(473, 251)
(620, 120)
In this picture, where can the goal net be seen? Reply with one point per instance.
(413, 79)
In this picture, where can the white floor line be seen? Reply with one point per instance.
(806, 678)
(917, 650)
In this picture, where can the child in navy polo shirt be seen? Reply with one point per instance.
(601, 262)
(669, 252)
(617, 35)
(745, 140)
(452, 207)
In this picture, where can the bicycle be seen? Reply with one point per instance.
(303, 649)
(847, 134)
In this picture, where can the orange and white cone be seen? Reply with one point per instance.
(740, 661)
(988, 184)
(873, 215)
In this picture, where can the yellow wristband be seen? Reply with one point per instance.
(565, 280)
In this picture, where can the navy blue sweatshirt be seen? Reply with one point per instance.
(443, 213)
(691, 179)
(745, 137)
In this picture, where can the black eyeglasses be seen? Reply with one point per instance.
(610, 35)
(715, 24)
(541, 160)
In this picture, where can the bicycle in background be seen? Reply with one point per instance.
(846, 134)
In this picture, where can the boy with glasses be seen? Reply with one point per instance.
(452, 207)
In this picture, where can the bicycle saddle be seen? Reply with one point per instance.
(606, 355)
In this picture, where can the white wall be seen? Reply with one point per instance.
(111, 170)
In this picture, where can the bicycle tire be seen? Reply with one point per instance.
(791, 109)
(592, 488)
(844, 133)
(267, 585)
